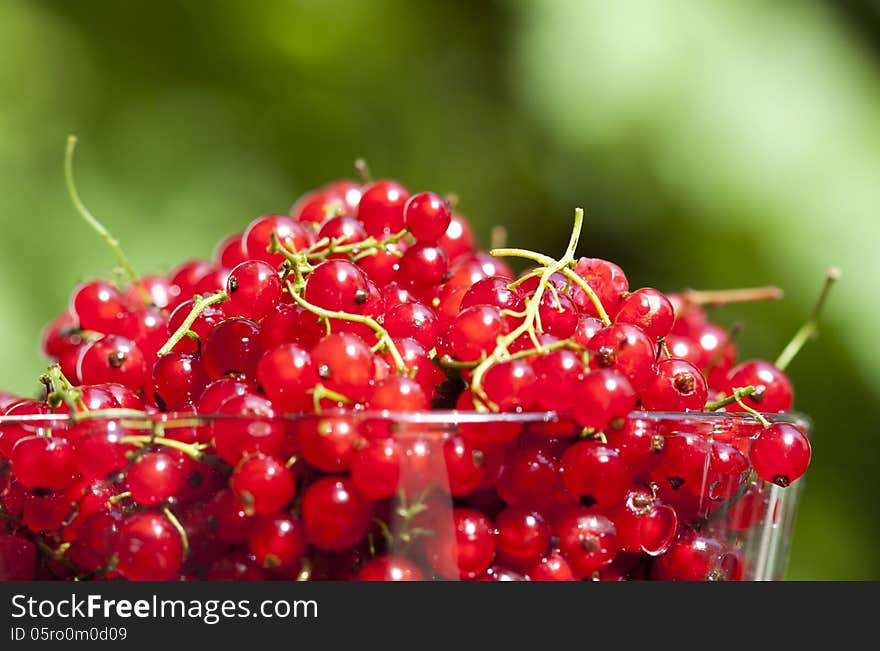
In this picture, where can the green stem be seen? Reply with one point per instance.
(381, 333)
(320, 392)
(737, 394)
(61, 390)
(754, 412)
(192, 451)
(176, 524)
(200, 305)
(96, 225)
(811, 326)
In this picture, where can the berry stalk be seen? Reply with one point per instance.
(810, 328)
(96, 225)
(200, 305)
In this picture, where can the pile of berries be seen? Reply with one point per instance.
(354, 391)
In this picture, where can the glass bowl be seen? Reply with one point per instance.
(440, 495)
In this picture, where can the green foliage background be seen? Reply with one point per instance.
(713, 144)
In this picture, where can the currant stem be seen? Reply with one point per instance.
(180, 530)
(363, 171)
(200, 305)
(381, 333)
(194, 452)
(321, 392)
(96, 225)
(722, 510)
(62, 390)
(810, 328)
(532, 317)
(727, 296)
(764, 422)
(738, 394)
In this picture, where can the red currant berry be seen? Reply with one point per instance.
(648, 309)
(329, 444)
(511, 386)
(465, 466)
(693, 557)
(153, 479)
(389, 568)
(626, 349)
(595, 473)
(286, 373)
(562, 370)
(475, 332)
(398, 393)
(148, 548)
(246, 425)
(529, 479)
(291, 324)
(552, 567)
(263, 484)
(774, 390)
(467, 551)
(335, 514)
(588, 541)
(459, 240)
(381, 207)
(230, 520)
(100, 307)
(113, 359)
(523, 537)
(413, 320)
(780, 454)
(232, 349)
(423, 265)
(427, 216)
(277, 541)
(254, 290)
(345, 364)
(606, 279)
(43, 462)
(202, 326)
(257, 238)
(177, 380)
(375, 468)
(342, 230)
(677, 385)
(603, 399)
(219, 391)
(231, 252)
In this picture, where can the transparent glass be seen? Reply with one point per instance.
(438, 495)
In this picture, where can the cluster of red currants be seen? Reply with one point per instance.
(165, 445)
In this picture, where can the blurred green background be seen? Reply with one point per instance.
(713, 144)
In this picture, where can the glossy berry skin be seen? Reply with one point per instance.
(559, 315)
(458, 241)
(338, 285)
(648, 309)
(552, 567)
(563, 370)
(775, 391)
(263, 484)
(606, 279)
(148, 548)
(468, 550)
(277, 541)
(474, 332)
(415, 321)
(342, 230)
(530, 478)
(626, 349)
(43, 462)
(290, 324)
(381, 207)
(495, 291)
(98, 450)
(258, 237)
(511, 386)
(693, 557)
(248, 428)
(330, 443)
(423, 265)
(344, 363)
(286, 373)
(587, 541)
(389, 568)
(427, 216)
(644, 524)
(465, 466)
(398, 393)
(254, 290)
(335, 514)
(96, 541)
(219, 391)
(232, 348)
(375, 468)
(177, 380)
(203, 325)
(780, 454)
(677, 385)
(603, 399)
(230, 252)
(18, 558)
(523, 537)
(100, 307)
(154, 478)
(113, 359)
(595, 473)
